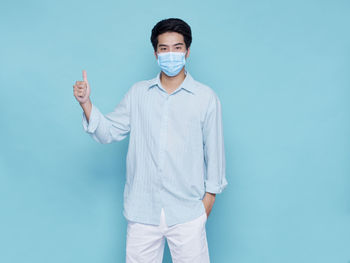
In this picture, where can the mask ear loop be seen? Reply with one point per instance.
(185, 61)
(186, 52)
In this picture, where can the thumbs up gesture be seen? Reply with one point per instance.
(82, 89)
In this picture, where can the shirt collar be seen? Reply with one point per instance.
(188, 83)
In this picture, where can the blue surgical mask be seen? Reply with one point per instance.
(171, 63)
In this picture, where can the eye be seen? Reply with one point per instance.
(178, 48)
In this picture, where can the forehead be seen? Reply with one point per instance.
(170, 38)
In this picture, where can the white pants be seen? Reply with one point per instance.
(187, 241)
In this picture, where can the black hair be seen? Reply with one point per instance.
(171, 25)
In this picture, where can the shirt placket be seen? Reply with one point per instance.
(163, 138)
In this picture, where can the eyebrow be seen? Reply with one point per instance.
(177, 44)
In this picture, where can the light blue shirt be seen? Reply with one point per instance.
(176, 148)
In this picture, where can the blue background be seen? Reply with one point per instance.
(281, 70)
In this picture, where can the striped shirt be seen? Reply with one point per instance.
(175, 152)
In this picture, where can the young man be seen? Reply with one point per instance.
(175, 160)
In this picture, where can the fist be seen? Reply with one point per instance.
(81, 89)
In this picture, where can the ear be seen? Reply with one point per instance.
(188, 53)
(155, 54)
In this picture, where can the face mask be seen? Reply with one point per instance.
(171, 63)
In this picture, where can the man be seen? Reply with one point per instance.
(175, 162)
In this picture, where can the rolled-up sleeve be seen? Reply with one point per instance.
(214, 151)
(114, 126)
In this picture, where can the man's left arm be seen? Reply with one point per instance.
(214, 153)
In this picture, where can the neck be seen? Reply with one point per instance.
(172, 83)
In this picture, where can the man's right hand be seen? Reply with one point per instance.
(82, 89)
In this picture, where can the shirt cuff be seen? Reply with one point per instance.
(215, 188)
(91, 125)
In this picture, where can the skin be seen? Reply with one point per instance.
(167, 42)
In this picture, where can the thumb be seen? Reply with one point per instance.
(84, 75)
